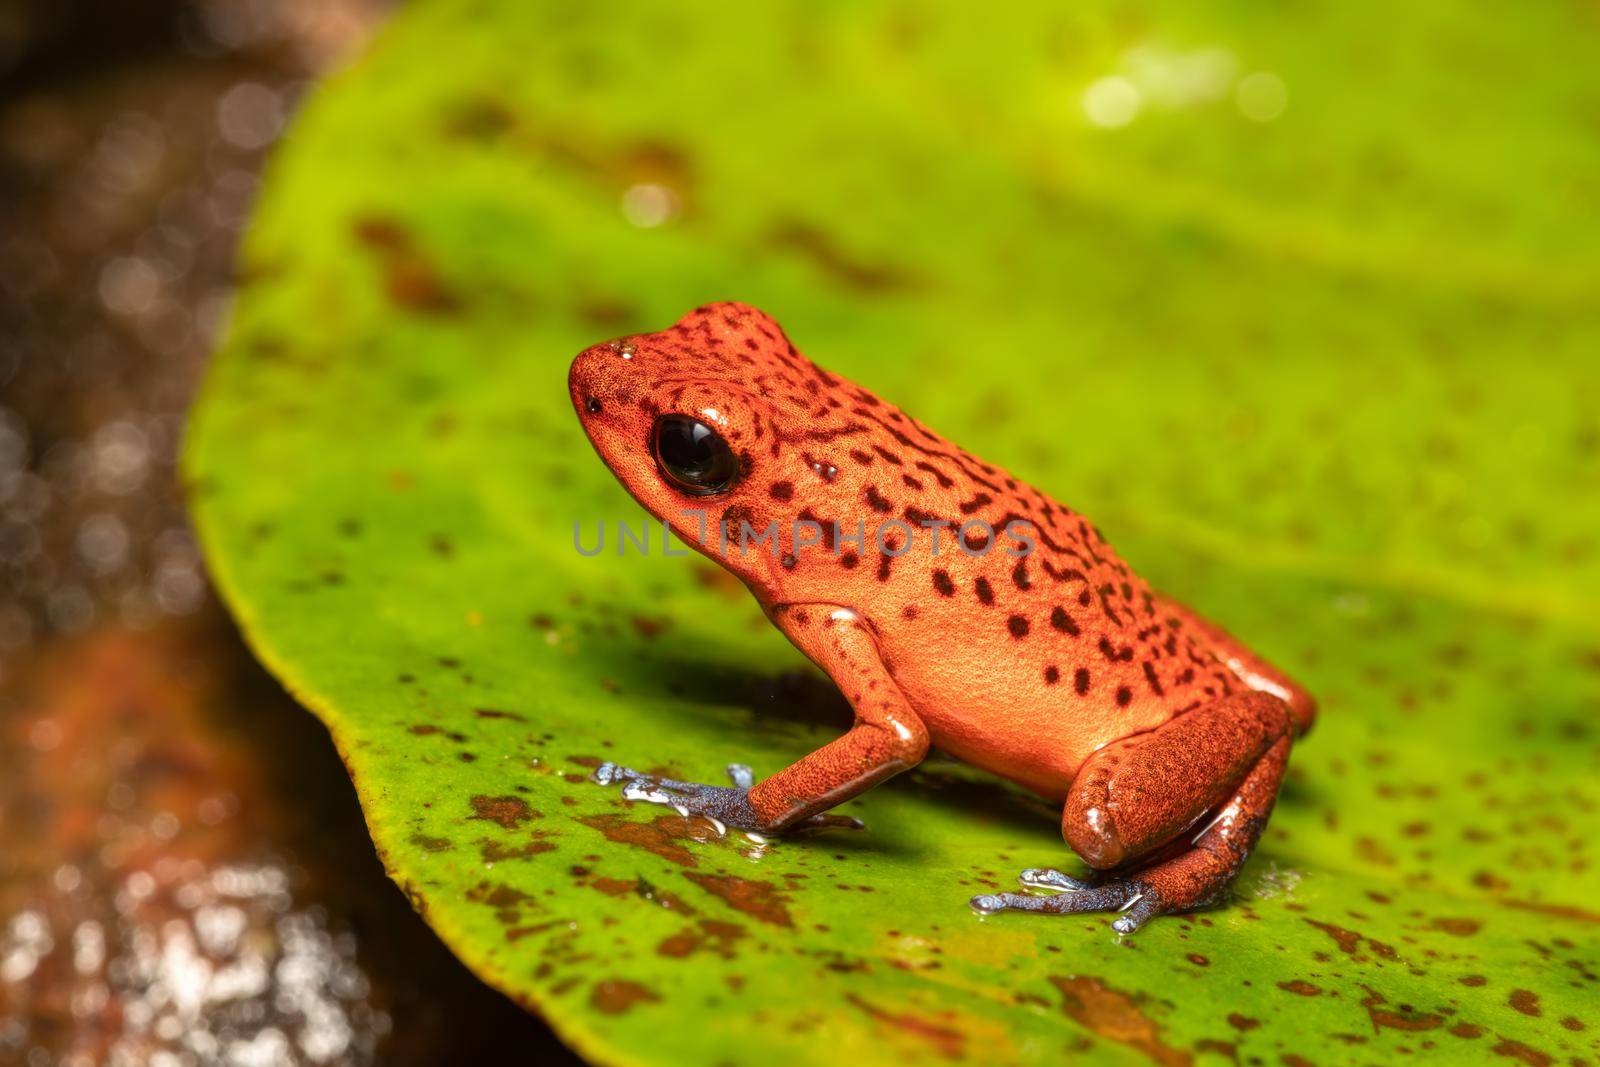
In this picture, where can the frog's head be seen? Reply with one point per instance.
(694, 421)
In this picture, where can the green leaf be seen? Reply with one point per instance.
(1330, 377)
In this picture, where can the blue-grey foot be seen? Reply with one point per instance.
(1137, 900)
(724, 806)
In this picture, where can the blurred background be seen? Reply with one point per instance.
(257, 926)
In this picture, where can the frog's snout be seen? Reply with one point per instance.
(597, 374)
(585, 385)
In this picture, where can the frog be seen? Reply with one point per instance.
(956, 608)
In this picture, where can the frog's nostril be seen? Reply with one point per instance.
(592, 405)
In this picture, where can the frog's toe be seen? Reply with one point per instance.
(609, 773)
(652, 792)
(1049, 878)
(640, 783)
(1144, 908)
(989, 903)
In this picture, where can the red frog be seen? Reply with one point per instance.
(954, 606)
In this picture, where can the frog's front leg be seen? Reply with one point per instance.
(1141, 797)
(887, 738)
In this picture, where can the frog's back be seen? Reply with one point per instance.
(1025, 649)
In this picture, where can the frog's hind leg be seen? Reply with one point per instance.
(1134, 801)
(1137, 794)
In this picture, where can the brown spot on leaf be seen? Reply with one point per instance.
(1400, 1017)
(430, 844)
(638, 887)
(711, 935)
(616, 995)
(649, 627)
(1349, 942)
(517, 933)
(1116, 1016)
(1458, 927)
(660, 836)
(497, 852)
(950, 1043)
(381, 234)
(607, 313)
(506, 901)
(1526, 1001)
(496, 713)
(1300, 987)
(680, 945)
(1516, 1050)
(508, 811)
(409, 279)
(818, 246)
(761, 900)
(719, 581)
(1371, 850)
(1243, 1022)
(1560, 911)
(614, 887)
(497, 896)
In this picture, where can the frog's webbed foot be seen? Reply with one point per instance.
(724, 806)
(1137, 899)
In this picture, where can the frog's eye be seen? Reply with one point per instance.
(693, 456)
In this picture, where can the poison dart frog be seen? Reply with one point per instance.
(954, 606)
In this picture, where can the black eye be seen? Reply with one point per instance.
(693, 456)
